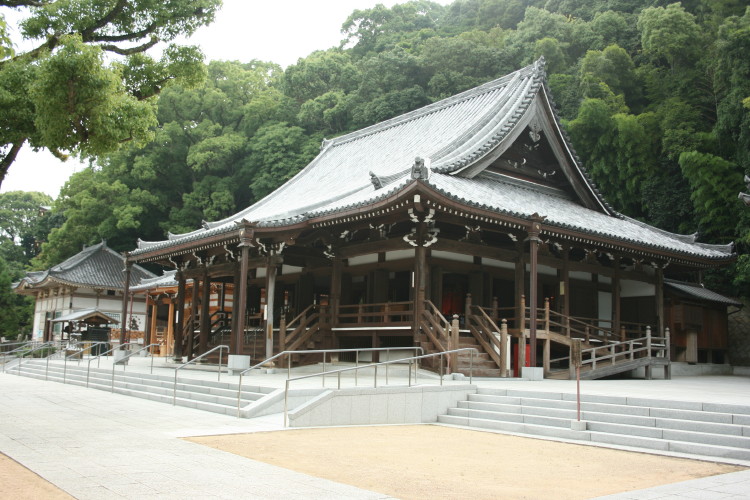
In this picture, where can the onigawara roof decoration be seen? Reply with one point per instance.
(497, 149)
(97, 267)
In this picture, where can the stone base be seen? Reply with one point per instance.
(237, 363)
(120, 357)
(577, 425)
(532, 373)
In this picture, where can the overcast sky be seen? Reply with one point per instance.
(279, 30)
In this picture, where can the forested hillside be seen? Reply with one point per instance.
(655, 97)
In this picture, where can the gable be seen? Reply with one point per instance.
(536, 152)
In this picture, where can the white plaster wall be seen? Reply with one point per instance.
(631, 288)
(384, 405)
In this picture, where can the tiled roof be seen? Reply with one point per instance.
(700, 293)
(97, 266)
(451, 135)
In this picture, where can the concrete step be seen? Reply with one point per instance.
(712, 430)
(214, 396)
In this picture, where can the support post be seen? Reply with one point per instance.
(151, 322)
(270, 293)
(420, 282)
(180, 323)
(240, 301)
(504, 348)
(667, 354)
(534, 241)
(124, 313)
(335, 298)
(565, 289)
(616, 311)
(659, 292)
(170, 328)
(190, 341)
(455, 339)
(205, 314)
(520, 278)
(147, 325)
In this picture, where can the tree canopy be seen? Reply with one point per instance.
(654, 95)
(88, 84)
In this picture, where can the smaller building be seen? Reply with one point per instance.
(699, 321)
(92, 279)
(214, 303)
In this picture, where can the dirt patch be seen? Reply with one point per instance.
(19, 483)
(429, 461)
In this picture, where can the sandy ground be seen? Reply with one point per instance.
(19, 483)
(429, 461)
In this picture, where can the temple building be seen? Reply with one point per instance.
(87, 285)
(468, 222)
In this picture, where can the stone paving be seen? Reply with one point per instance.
(97, 445)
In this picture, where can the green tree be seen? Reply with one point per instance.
(16, 311)
(63, 95)
(670, 33)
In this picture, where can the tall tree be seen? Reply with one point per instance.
(65, 96)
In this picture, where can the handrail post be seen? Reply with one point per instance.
(667, 354)
(441, 368)
(546, 314)
(356, 372)
(286, 403)
(387, 355)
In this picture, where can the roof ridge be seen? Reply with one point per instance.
(433, 107)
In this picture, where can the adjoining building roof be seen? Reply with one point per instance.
(97, 266)
(85, 314)
(457, 138)
(698, 292)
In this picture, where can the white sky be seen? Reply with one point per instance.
(279, 30)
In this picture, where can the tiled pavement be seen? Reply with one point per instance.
(96, 445)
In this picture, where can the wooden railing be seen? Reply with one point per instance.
(435, 326)
(385, 314)
(294, 334)
(491, 337)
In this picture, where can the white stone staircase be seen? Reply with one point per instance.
(719, 431)
(208, 395)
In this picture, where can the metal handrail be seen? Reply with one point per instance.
(8, 344)
(21, 359)
(122, 360)
(473, 351)
(98, 357)
(174, 389)
(318, 351)
(65, 359)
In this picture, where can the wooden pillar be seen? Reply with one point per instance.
(147, 327)
(520, 279)
(335, 297)
(179, 324)
(152, 324)
(194, 301)
(170, 328)
(205, 318)
(124, 314)
(659, 292)
(270, 293)
(616, 311)
(235, 311)
(534, 241)
(240, 299)
(420, 285)
(565, 289)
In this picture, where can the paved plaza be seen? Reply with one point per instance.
(97, 445)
